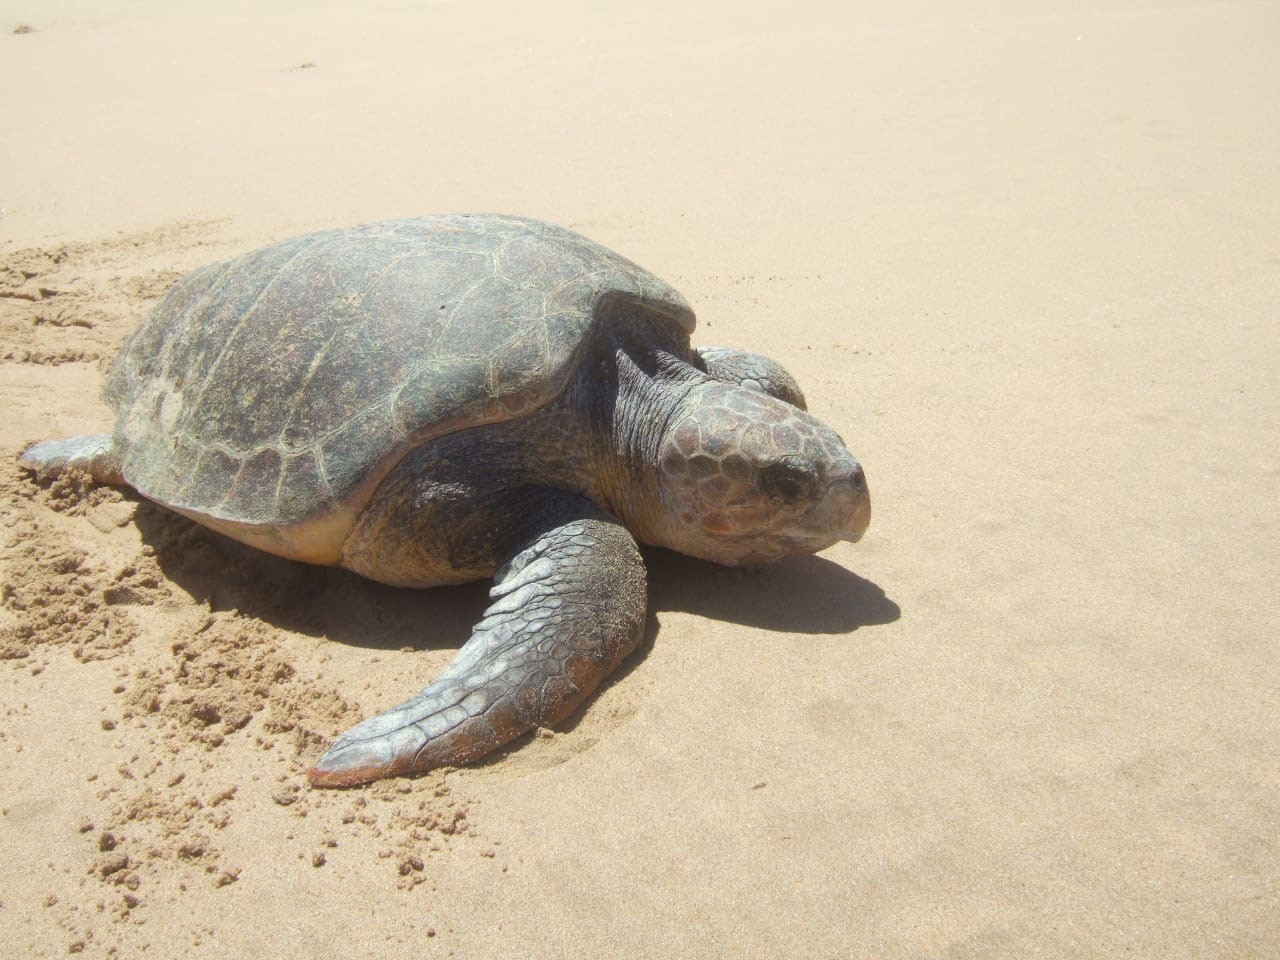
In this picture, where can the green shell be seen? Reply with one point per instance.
(283, 384)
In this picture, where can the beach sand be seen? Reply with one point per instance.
(1024, 258)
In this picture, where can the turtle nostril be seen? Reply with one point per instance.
(858, 479)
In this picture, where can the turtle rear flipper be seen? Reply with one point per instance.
(96, 453)
(567, 609)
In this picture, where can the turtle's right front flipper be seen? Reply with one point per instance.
(567, 609)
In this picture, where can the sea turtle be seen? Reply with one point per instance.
(442, 399)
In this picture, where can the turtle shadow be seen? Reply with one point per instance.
(321, 602)
(806, 594)
(800, 595)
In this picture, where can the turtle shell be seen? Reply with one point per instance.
(277, 389)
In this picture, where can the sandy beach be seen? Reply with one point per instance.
(1024, 257)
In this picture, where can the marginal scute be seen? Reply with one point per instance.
(256, 482)
(273, 388)
(301, 471)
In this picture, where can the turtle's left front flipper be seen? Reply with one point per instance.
(567, 609)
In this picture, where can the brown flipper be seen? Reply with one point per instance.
(753, 371)
(567, 608)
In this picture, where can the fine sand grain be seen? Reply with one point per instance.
(1024, 258)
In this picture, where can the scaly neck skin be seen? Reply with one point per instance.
(627, 426)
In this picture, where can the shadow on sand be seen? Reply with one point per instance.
(801, 595)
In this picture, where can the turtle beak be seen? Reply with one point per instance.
(848, 504)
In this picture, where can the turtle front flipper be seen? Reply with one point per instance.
(96, 453)
(753, 371)
(567, 608)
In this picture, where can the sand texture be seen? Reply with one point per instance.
(1023, 256)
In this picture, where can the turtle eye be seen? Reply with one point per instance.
(789, 480)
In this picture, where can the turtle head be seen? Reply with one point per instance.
(746, 479)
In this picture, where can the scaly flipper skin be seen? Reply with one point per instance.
(95, 453)
(753, 371)
(567, 608)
